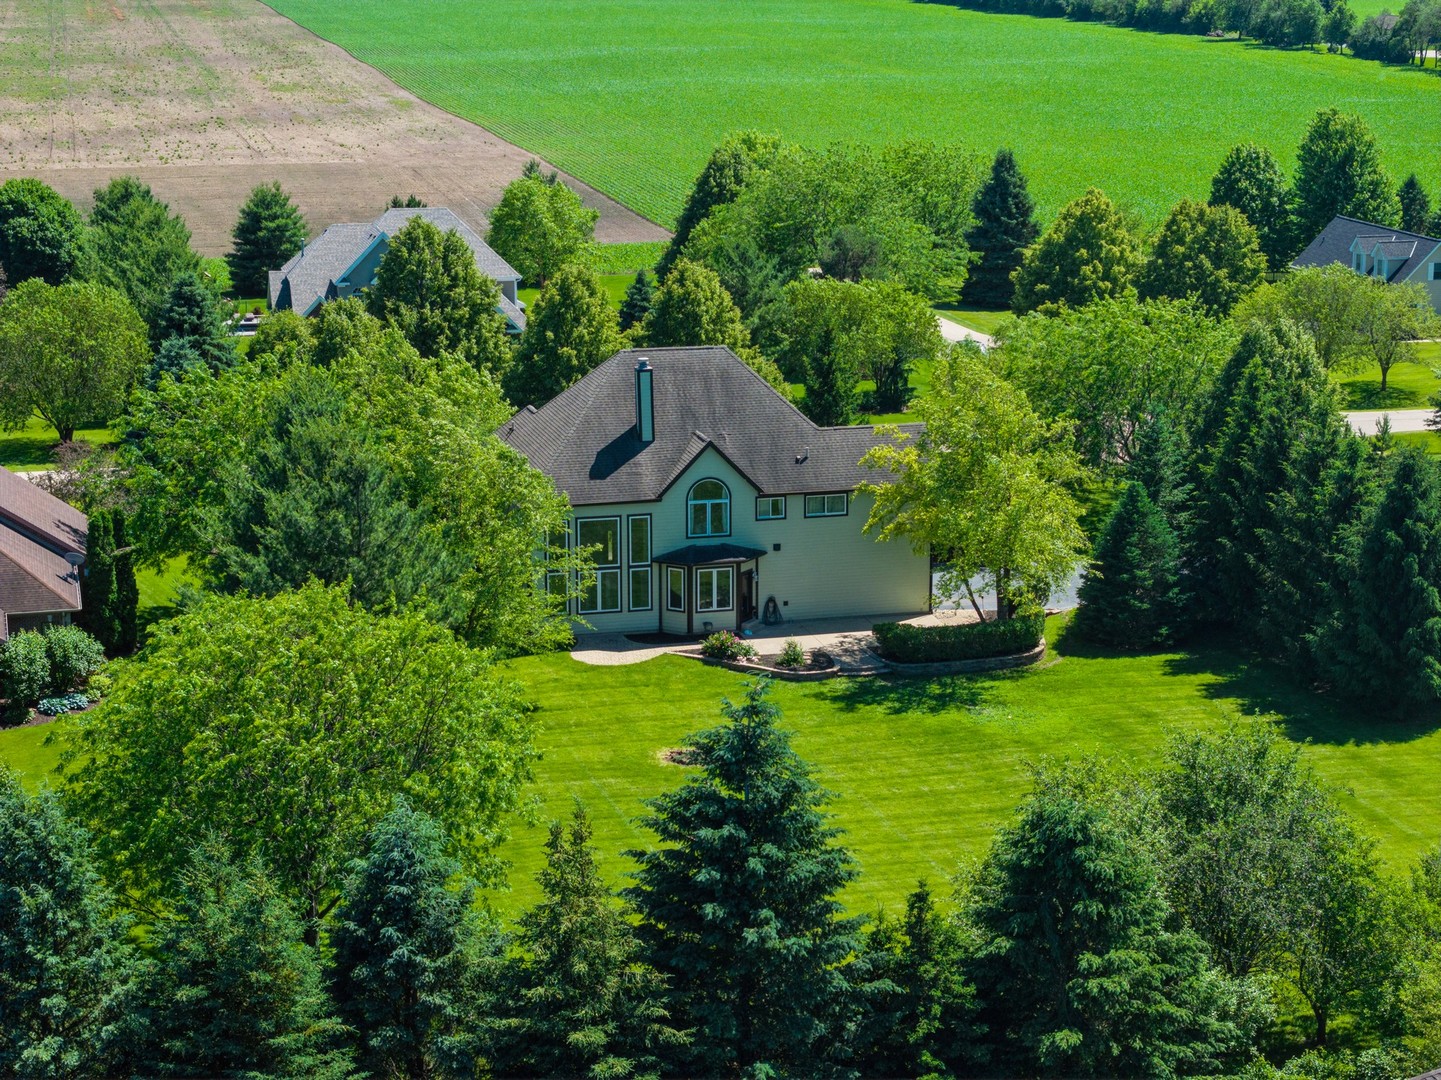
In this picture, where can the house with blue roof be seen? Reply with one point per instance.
(1379, 251)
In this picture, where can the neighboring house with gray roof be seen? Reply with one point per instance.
(42, 547)
(1392, 255)
(707, 495)
(344, 259)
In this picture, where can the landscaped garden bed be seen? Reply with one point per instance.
(961, 648)
(792, 663)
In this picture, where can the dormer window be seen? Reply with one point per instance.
(1358, 262)
(708, 509)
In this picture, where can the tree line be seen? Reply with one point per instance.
(1167, 921)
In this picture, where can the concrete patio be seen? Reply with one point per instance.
(847, 640)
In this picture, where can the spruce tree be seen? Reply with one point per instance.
(919, 1014)
(236, 991)
(636, 305)
(127, 589)
(1383, 643)
(693, 308)
(99, 588)
(191, 315)
(1160, 465)
(731, 165)
(571, 329)
(406, 933)
(69, 1004)
(1005, 226)
(1415, 205)
(738, 902)
(1081, 968)
(1131, 593)
(1250, 180)
(579, 1000)
(268, 232)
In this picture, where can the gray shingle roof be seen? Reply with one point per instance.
(585, 438)
(36, 530)
(1334, 245)
(323, 261)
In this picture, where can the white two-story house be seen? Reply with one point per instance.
(710, 500)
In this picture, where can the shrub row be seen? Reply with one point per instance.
(908, 644)
(35, 665)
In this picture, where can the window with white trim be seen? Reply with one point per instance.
(713, 588)
(675, 588)
(638, 550)
(832, 505)
(708, 509)
(600, 539)
(770, 507)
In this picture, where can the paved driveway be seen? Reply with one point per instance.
(1402, 420)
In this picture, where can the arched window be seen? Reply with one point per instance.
(709, 509)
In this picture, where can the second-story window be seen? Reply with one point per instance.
(708, 509)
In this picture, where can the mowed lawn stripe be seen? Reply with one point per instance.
(631, 96)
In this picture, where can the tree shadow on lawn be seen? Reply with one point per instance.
(1305, 713)
(900, 694)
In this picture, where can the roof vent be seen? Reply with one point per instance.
(804, 455)
(644, 402)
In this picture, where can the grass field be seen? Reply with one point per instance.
(982, 320)
(631, 95)
(1408, 386)
(31, 447)
(615, 286)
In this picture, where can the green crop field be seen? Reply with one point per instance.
(631, 95)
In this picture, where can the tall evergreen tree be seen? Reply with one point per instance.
(69, 1004)
(636, 305)
(268, 232)
(191, 315)
(1415, 205)
(1338, 171)
(1383, 644)
(407, 931)
(104, 595)
(1005, 226)
(571, 329)
(1250, 180)
(136, 245)
(1131, 592)
(1160, 465)
(738, 903)
(579, 1000)
(127, 589)
(730, 167)
(919, 1014)
(236, 992)
(1080, 968)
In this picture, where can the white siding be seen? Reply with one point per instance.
(825, 566)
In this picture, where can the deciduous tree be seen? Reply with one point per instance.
(284, 726)
(1338, 171)
(738, 902)
(540, 226)
(268, 232)
(570, 329)
(1209, 254)
(1005, 227)
(429, 288)
(692, 308)
(41, 233)
(1087, 254)
(738, 157)
(137, 246)
(68, 352)
(1250, 180)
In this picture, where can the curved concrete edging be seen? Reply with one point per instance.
(784, 674)
(884, 666)
(968, 667)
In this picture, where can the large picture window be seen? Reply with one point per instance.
(600, 538)
(638, 550)
(709, 509)
(675, 588)
(713, 589)
(833, 505)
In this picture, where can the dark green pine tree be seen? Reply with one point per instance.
(407, 932)
(99, 589)
(1275, 400)
(578, 1000)
(738, 902)
(1383, 643)
(1415, 205)
(192, 315)
(1080, 968)
(1005, 225)
(268, 232)
(127, 589)
(919, 1014)
(636, 305)
(1131, 593)
(1161, 466)
(236, 992)
(69, 1000)
(739, 156)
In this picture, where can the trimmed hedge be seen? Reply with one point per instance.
(904, 643)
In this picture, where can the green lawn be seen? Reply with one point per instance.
(981, 320)
(615, 286)
(926, 769)
(1408, 386)
(31, 447)
(632, 95)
